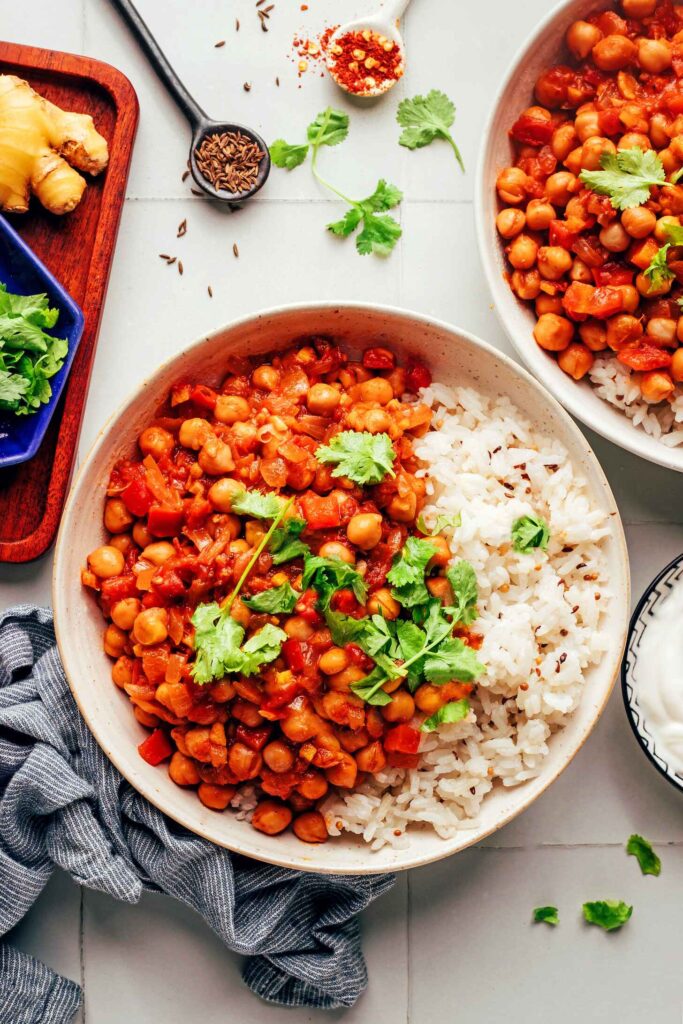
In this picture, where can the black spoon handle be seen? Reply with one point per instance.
(159, 62)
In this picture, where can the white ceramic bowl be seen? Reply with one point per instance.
(454, 357)
(545, 47)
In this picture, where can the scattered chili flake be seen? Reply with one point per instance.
(304, 7)
(312, 49)
(362, 61)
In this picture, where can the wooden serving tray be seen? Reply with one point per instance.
(78, 249)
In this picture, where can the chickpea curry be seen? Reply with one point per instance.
(278, 612)
(591, 206)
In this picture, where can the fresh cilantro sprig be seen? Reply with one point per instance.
(362, 457)
(328, 575)
(641, 849)
(442, 522)
(276, 601)
(407, 574)
(29, 356)
(546, 915)
(256, 504)
(455, 711)
(379, 232)
(529, 532)
(627, 177)
(463, 581)
(286, 545)
(658, 272)
(607, 914)
(425, 118)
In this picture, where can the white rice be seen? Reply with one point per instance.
(540, 615)
(613, 383)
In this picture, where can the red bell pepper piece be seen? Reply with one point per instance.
(164, 522)
(321, 513)
(417, 375)
(116, 588)
(606, 301)
(609, 121)
(306, 608)
(533, 131)
(403, 739)
(379, 359)
(345, 601)
(642, 355)
(294, 652)
(396, 760)
(255, 739)
(358, 657)
(612, 273)
(137, 497)
(203, 396)
(560, 234)
(156, 748)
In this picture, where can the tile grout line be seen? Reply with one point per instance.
(304, 200)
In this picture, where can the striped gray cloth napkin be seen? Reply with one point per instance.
(63, 804)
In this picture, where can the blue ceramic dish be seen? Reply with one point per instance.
(22, 273)
(658, 591)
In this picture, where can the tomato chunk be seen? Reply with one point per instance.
(164, 522)
(534, 131)
(379, 359)
(321, 513)
(156, 748)
(642, 355)
(560, 234)
(612, 273)
(203, 396)
(417, 375)
(403, 739)
(137, 497)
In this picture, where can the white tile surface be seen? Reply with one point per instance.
(461, 947)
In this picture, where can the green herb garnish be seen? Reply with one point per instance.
(463, 581)
(425, 118)
(256, 504)
(407, 574)
(546, 915)
(641, 849)
(529, 532)
(276, 601)
(380, 232)
(443, 522)
(626, 177)
(285, 544)
(456, 711)
(328, 575)
(659, 272)
(607, 914)
(29, 356)
(362, 457)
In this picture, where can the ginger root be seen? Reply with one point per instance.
(38, 143)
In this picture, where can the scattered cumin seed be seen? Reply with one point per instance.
(220, 43)
(267, 10)
(164, 256)
(260, 2)
(171, 260)
(180, 267)
(264, 26)
(186, 175)
(210, 291)
(277, 82)
(235, 250)
(237, 24)
(182, 229)
(247, 86)
(195, 192)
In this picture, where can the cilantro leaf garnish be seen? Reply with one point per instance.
(463, 581)
(274, 601)
(12, 387)
(441, 523)
(285, 544)
(253, 503)
(328, 575)
(607, 914)
(626, 177)
(407, 574)
(380, 232)
(344, 628)
(546, 915)
(29, 356)
(362, 457)
(530, 532)
(641, 849)
(262, 648)
(453, 659)
(456, 711)
(659, 272)
(425, 118)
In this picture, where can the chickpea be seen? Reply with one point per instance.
(341, 682)
(323, 399)
(122, 671)
(371, 758)
(647, 287)
(670, 162)
(576, 360)
(313, 787)
(244, 762)
(594, 335)
(639, 222)
(549, 304)
(309, 827)
(335, 549)
(662, 226)
(582, 37)
(301, 724)
(614, 53)
(231, 409)
(365, 530)
(539, 213)
(183, 770)
(522, 252)
(511, 185)
(115, 640)
(553, 332)
(660, 124)
(158, 552)
(376, 390)
(106, 562)
(265, 377)
(216, 798)
(554, 262)
(614, 237)
(156, 441)
(510, 222)
(144, 718)
(621, 329)
(194, 433)
(574, 162)
(656, 386)
(429, 698)
(141, 535)
(117, 518)
(377, 421)
(151, 626)
(238, 547)
(580, 272)
(638, 8)
(215, 457)
(563, 141)
(271, 817)
(125, 612)
(634, 118)
(401, 709)
(222, 492)
(629, 297)
(343, 774)
(239, 611)
(333, 661)
(662, 330)
(592, 152)
(438, 586)
(298, 629)
(526, 284)
(587, 124)
(560, 187)
(254, 533)
(634, 140)
(278, 756)
(403, 509)
(122, 542)
(676, 368)
(654, 55)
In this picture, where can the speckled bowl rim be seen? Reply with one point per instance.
(529, 791)
(627, 665)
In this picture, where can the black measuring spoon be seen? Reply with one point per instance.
(202, 125)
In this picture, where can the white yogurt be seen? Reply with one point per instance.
(660, 678)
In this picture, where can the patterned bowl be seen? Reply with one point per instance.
(658, 591)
